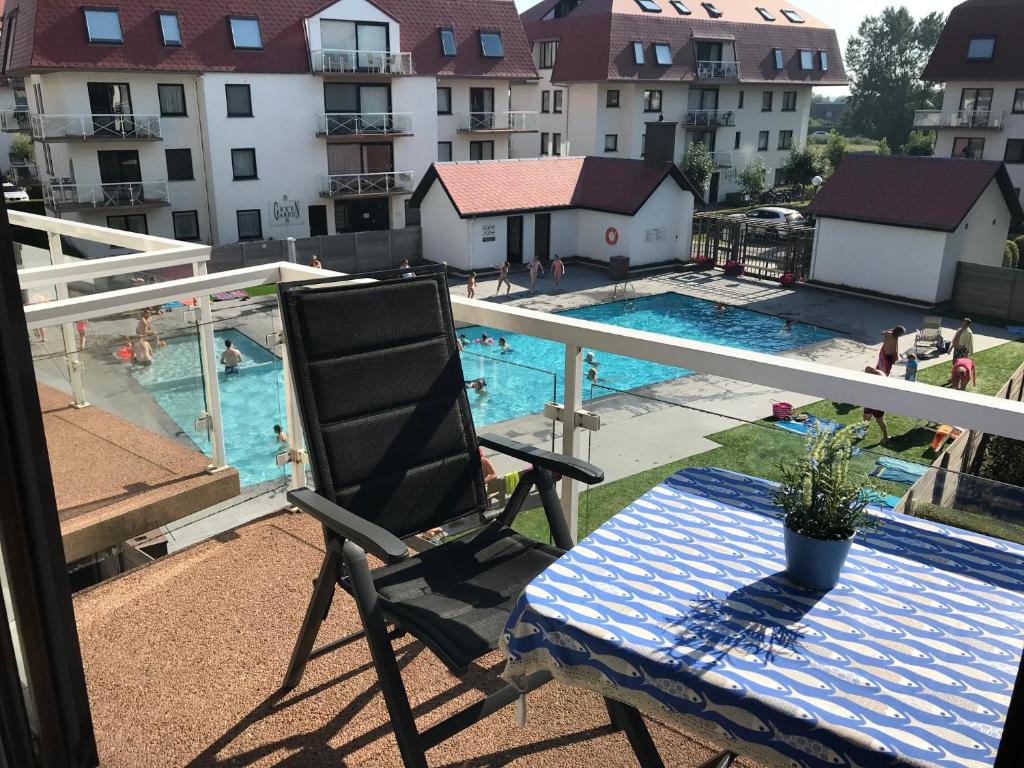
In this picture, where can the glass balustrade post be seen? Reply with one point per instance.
(296, 440)
(74, 362)
(208, 364)
(573, 402)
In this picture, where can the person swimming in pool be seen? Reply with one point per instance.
(592, 375)
(279, 434)
(504, 347)
(230, 358)
(591, 360)
(485, 340)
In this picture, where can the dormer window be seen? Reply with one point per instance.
(779, 62)
(447, 41)
(245, 33)
(103, 25)
(680, 7)
(792, 16)
(663, 54)
(169, 28)
(546, 54)
(806, 60)
(823, 60)
(649, 6)
(490, 44)
(981, 48)
(713, 11)
(638, 52)
(765, 14)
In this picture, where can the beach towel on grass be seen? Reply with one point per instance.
(898, 470)
(802, 427)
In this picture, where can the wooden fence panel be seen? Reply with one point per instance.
(991, 291)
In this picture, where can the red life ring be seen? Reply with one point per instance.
(611, 235)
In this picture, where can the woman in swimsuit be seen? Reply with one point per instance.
(503, 278)
(535, 268)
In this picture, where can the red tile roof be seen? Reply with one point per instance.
(1002, 18)
(920, 192)
(596, 41)
(50, 34)
(505, 186)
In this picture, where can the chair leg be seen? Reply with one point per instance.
(632, 722)
(553, 509)
(721, 760)
(316, 612)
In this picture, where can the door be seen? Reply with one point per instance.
(120, 175)
(542, 235)
(108, 102)
(361, 215)
(713, 192)
(481, 107)
(317, 220)
(514, 232)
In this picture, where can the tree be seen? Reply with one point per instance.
(884, 61)
(1011, 255)
(919, 143)
(22, 147)
(698, 166)
(753, 178)
(803, 164)
(836, 148)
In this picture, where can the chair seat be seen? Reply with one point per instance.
(457, 598)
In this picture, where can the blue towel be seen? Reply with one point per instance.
(801, 427)
(898, 470)
(1016, 330)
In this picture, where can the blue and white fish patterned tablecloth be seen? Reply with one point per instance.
(678, 606)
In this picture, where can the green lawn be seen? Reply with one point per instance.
(758, 448)
(261, 290)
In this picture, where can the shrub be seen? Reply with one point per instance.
(733, 268)
(1011, 255)
(1020, 249)
(803, 164)
(836, 148)
(22, 147)
(919, 143)
(753, 179)
(698, 166)
(788, 279)
(1003, 461)
(882, 147)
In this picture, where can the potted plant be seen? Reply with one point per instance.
(787, 279)
(733, 268)
(704, 262)
(824, 508)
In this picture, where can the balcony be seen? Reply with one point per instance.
(708, 118)
(342, 185)
(339, 126)
(373, 64)
(15, 121)
(718, 70)
(96, 127)
(932, 119)
(69, 196)
(498, 122)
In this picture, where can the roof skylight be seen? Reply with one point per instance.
(793, 16)
(765, 14)
(680, 7)
(712, 10)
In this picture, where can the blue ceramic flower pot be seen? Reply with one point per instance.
(814, 563)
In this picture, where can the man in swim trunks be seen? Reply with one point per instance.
(535, 268)
(230, 358)
(142, 352)
(890, 351)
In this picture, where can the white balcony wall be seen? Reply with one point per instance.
(527, 97)
(447, 125)
(417, 96)
(352, 10)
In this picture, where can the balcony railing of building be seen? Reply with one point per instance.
(498, 122)
(718, 70)
(366, 184)
(708, 118)
(125, 127)
(343, 124)
(333, 61)
(15, 120)
(977, 119)
(69, 196)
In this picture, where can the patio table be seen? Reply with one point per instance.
(678, 606)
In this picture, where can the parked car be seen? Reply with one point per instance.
(768, 220)
(14, 194)
(818, 137)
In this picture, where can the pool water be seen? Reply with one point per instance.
(518, 383)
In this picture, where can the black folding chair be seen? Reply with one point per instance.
(394, 453)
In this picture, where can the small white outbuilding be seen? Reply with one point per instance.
(899, 225)
(476, 215)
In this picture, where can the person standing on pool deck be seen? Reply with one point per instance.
(230, 358)
(503, 278)
(890, 351)
(535, 268)
(471, 286)
(963, 342)
(557, 270)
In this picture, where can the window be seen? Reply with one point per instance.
(243, 164)
(1014, 151)
(765, 14)
(134, 222)
(793, 16)
(239, 100)
(186, 225)
(611, 142)
(785, 139)
(245, 33)
(638, 52)
(169, 28)
(806, 60)
(1018, 101)
(172, 99)
(545, 101)
(490, 42)
(556, 144)
(103, 25)
(789, 101)
(981, 48)
(680, 7)
(611, 99)
(823, 60)
(481, 150)
(47, 159)
(968, 149)
(652, 101)
(546, 54)
(779, 63)
(447, 41)
(444, 101)
(977, 102)
(739, 105)
(9, 24)
(766, 101)
(557, 105)
(713, 12)
(662, 54)
(250, 224)
(736, 141)
(179, 165)
(543, 144)
(444, 151)
(649, 6)
(762, 141)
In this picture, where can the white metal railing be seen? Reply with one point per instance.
(363, 123)
(981, 119)
(709, 117)
(718, 70)
(361, 184)
(368, 62)
(127, 194)
(122, 127)
(15, 120)
(498, 121)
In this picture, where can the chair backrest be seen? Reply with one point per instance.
(383, 400)
(932, 322)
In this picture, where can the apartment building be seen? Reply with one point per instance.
(978, 57)
(733, 75)
(249, 120)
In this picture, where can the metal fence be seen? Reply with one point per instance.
(763, 248)
(992, 291)
(355, 252)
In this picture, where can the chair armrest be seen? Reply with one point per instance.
(372, 538)
(577, 469)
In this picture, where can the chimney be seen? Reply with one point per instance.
(660, 144)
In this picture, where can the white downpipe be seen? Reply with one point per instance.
(67, 330)
(573, 402)
(211, 384)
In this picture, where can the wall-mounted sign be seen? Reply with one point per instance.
(285, 212)
(488, 231)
